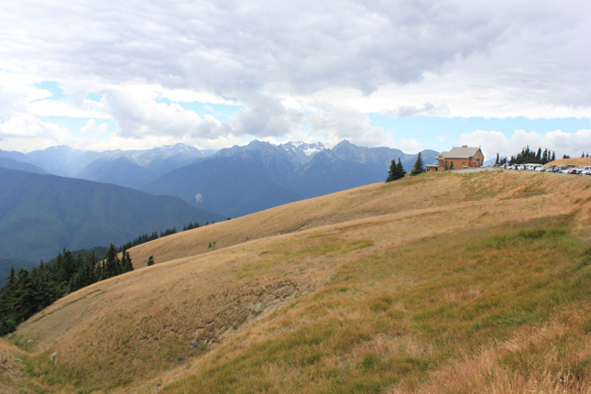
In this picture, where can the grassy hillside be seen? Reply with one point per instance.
(577, 161)
(475, 282)
(11, 368)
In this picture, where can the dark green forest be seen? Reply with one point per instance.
(27, 292)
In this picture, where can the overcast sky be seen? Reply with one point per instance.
(406, 74)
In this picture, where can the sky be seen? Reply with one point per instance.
(406, 74)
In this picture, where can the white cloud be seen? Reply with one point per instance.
(409, 145)
(139, 116)
(86, 109)
(35, 133)
(290, 60)
(91, 128)
(493, 142)
(333, 124)
(266, 116)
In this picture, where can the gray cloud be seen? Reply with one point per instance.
(406, 111)
(266, 116)
(257, 52)
(236, 47)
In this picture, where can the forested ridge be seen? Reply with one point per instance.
(27, 292)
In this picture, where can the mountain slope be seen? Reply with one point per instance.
(445, 282)
(62, 160)
(65, 161)
(233, 182)
(244, 179)
(12, 164)
(41, 214)
(118, 171)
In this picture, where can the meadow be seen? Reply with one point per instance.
(445, 282)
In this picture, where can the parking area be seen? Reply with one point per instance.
(567, 169)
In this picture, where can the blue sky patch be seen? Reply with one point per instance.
(93, 97)
(440, 133)
(222, 112)
(57, 93)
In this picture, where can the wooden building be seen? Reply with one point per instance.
(458, 158)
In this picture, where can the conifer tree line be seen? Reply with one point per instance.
(418, 167)
(396, 171)
(528, 156)
(169, 231)
(28, 292)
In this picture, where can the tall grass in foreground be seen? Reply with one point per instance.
(497, 310)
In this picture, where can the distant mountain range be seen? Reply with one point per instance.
(130, 168)
(63, 197)
(244, 179)
(42, 214)
(232, 182)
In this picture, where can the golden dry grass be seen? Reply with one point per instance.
(301, 268)
(406, 197)
(577, 161)
(11, 368)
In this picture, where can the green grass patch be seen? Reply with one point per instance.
(429, 302)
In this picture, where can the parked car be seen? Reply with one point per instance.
(574, 170)
(566, 169)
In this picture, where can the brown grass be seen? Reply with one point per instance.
(301, 269)
(11, 368)
(555, 355)
(577, 161)
(377, 200)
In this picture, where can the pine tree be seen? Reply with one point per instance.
(112, 264)
(400, 173)
(418, 167)
(126, 264)
(391, 172)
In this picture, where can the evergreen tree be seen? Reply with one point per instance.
(418, 167)
(150, 261)
(400, 173)
(126, 264)
(391, 172)
(112, 263)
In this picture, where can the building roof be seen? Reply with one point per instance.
(460, 153)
